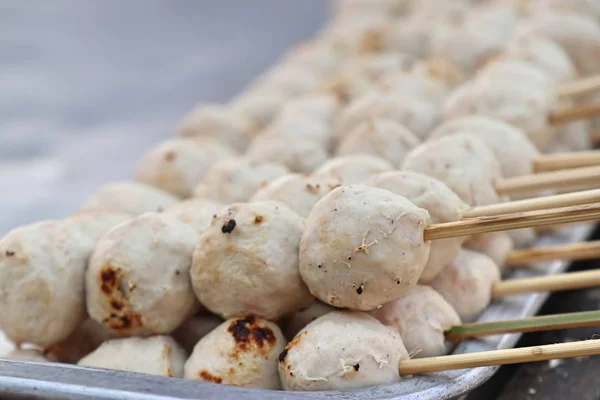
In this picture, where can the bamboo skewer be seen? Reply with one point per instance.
(499, 357)
(595, 136)
(579, 87)
(539, 203)
(551, 283)
(467, 227)
(576, 159)
(571, 252)
(585, 177)
(577, 113)
(530, 324)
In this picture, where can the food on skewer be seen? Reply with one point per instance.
(496, 245)
(421, 316)
(292, 324)
(131, 198)
(356, 255)
(297, 155)
(178, 165)
(466, 283)
(353, 350)
(129, 263)
(156, 355)
(434, 196)
(241, 352)
(353, 169)
(197, 212)
(194, 329)
(297, 191)
(218, 122)
(237, 179)
(246, 262)
(260, 105)
(381, 138)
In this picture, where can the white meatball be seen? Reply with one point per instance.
(543, 52)
(319, 106)
(25, 355)
(574, 136)
(138, 280)
(495, 245)
(442, 204)
(463, 162)
(470, 41)
(513, 150)
(297, 155)
(132, 198)
(246, 262)
(577, 34)
(298, 125)
(353, 169)
(522, 238)
(237, 179)
(467, 283)
(178, 165)
(240, 352)
(383, 138)
(294, 323)
(259, 105)
(291, 79)
(85, 339)
(419, 116)
(94, 224)
(341, 350)
(362, 247)
(42, 269)
(196, 212)
(415, 85)
(421, 316)
(218, 122)
(155, 355)
(297, 191)
(526, 106)
(195, 328)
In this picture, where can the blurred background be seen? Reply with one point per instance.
(86, 87)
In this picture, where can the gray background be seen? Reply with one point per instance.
(85, 87)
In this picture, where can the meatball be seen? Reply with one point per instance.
(318, 106)
(138, 279)
(418, 115)
(131, 198)
(379, 137)
(294, 323)
(513, 150)
(237, 179)
(240, 352)
(178, 165)
(297, 191)
(353, 169)
(442, 204)
(543, 52)
(298, 125)
(255, 246)
(467, 283)
(155, 355)
(218, 122)
(298, 155)
(259, 105)
(417, 85)
(42, 267)
(363, 247)
(463, 162)
(421, 316)
(341, 350)
(195, 328)
(495, 245)
(85, 339)
(94, 224)
(196, 212)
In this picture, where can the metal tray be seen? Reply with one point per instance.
(53, 381)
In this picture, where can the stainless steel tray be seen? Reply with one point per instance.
(49, 381)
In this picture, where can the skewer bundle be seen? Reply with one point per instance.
(349, 176)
